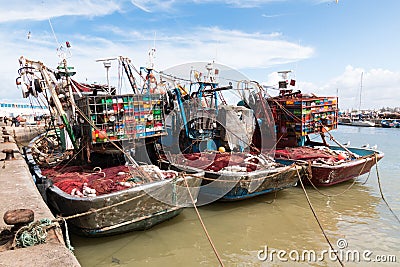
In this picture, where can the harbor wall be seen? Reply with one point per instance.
(18, 191)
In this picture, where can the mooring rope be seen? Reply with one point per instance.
(60, 218)
(380, 190)
(32, 234)
(67, 241)
(202, 223)
(252, 179)
(319, 223)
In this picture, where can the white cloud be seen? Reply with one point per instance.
(233, 48)
(168, 5)
(229, 47)
(154, 5)
(31, 10)
(379, 88)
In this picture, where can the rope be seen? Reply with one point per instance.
(202, 224)
(380, 189)
(67, 241)
(33, 234)
(316, 218)
(251, 180)
(96, 210)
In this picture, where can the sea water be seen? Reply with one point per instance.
(276, 229)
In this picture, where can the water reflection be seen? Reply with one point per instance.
(240, 229)
(285, 222)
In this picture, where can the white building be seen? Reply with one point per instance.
(27, 111)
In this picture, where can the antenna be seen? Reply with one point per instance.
(61, 51)
(154, 41)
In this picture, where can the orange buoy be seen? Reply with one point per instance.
(342, 156)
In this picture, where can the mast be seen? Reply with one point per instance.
(359, 104)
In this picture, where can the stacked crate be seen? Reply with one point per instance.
(123, 117)
(304, 115)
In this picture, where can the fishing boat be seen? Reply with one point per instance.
(232, 176)
(363, 123)
(217, 137)
(390, 123)
(85, 163)
(360, 120)
(299, 116)
(330, 165)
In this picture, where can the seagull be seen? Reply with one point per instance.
(346, 144)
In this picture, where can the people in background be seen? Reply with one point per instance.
(13, 121)
(5, 119)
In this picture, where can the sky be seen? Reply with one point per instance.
(346, 48)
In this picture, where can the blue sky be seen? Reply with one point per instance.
(326, 44)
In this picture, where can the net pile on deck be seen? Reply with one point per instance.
(231, 162)
(86, 182)
(320, 154)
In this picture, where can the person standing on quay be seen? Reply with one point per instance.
(13, 121)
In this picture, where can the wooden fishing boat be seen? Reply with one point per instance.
(86, 163)
(297, 116)
(216, 137)
(232, 176)
(124, 200)
(330, 165)
(135, 208)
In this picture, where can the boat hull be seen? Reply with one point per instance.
(123, 211)
(249, 184)
(320, 174)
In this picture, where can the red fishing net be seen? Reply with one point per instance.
(73, 179)
(305, 153)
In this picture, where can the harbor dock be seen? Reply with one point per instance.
(18, 191)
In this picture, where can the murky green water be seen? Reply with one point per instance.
(281, 222)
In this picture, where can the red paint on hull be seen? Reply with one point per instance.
(327, 175)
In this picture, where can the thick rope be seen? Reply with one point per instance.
(319, 223)
(202, 224)
(67, 241)
(380, 190)
(33, 234)
(253, 179)
(60, 218)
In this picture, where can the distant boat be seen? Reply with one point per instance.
(390, 123)
(363, 123)
(360, 121)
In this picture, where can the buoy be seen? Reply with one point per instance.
(102, 135)
(221, 149)
(342, 156)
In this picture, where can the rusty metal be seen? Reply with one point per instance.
(6, 138)
(9, 153)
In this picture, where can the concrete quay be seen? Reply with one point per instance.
(18, 191)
